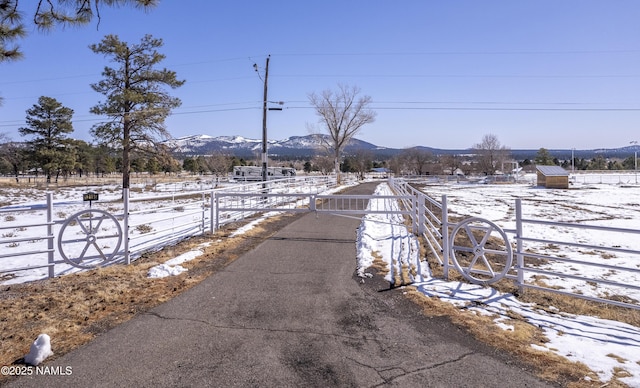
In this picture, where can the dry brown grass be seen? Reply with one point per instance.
(404, 276)
(73, 309)
(379, 264)
(518, 342)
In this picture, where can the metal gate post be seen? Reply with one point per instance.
(445, 237)
(312, 202)
(519, 255)
(50, 244)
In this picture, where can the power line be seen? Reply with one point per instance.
(532, 76)
(564, 106)
(366, 54)
(16, 123)
(428, 53)
(491, 109)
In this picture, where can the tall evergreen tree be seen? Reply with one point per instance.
(598, 163)
(136, 102)
(84, 157)
(543, 158)
(49, 122)
(13, 156)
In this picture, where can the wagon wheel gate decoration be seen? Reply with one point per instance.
(480, 250)
(90, 239)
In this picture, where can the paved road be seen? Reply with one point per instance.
(290, 313)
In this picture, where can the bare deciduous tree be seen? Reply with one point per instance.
(343, 113)
(417, 159)
(362, 162)
(219, 164)
(323, 163)
(396, 164)
(450, 163)
(490, 154)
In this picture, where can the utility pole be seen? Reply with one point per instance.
(264, 124)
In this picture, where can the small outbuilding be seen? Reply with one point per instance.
(553, 177)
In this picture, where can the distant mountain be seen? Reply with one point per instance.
(295, 146)
(307, 146)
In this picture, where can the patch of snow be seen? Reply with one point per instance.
(39, 351)
(165, 270)
(172, 267)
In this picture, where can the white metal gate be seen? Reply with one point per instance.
(233, 204)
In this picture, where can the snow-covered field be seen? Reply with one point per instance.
(589, 340)
(23, 235)
(160, 214)
(602, 205)
(603, 345)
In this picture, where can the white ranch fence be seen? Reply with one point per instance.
(484, 253)
(54, 243)
(45, 240)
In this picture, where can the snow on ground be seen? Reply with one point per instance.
(589, 340)
(385, 235)
(149, 213)
(597, 204)
(172, 267)
(585, 339)
(66, 202)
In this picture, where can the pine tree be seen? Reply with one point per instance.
(543, 158)
(50, 149)
(136, 103)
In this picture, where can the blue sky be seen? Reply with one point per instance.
(543, 73)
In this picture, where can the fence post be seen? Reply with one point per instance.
(445, 237)
(212, 215)
(125, 224)
(519, 255)
(422, 213)
(217, 200)
(312, 202)
(204, 210)
(50, 244)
